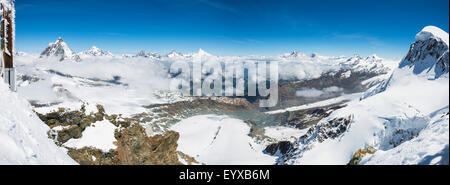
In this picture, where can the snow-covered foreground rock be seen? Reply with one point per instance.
(23, 136)
(406, 118)
(98, 135)
(219, 140)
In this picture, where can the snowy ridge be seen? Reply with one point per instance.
(293, 54)
(174, 54)
(432, 32)
(94, 51)
(295, 66)
(119, 79)
(98, 135)
(147, 55)
(206, 137)
(23, 136)
(429, 147)
(405, 119)
(201, 53)
(428, 55)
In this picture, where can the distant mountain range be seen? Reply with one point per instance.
(403, 120)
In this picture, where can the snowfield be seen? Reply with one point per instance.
(429, 148)
(123, 84)
(219, 140)
(99, 135)
(405, 118)
(23, 136)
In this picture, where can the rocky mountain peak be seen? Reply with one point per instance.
(95, 51)
(145, 54)
(60, 50)
(429, 53)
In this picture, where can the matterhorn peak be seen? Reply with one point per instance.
(60, 50)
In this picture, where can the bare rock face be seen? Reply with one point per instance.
(280, 148)
(430, 50)
(328, 129)
(134, 146)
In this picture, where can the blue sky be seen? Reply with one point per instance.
(229, 27)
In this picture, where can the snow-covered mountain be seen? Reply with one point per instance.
(94, 51)
(372, 63)
(429, 53)
(404, 120)
(125, 85)
(201, 53)
(60, 50)
(147, 54)
(23, 136)
(174, 54)
(292, 54)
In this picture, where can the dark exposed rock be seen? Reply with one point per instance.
(281, 147)
(189, 160)
(420, 50)
(134, 147)
(330, 129)
(93, 156)
(302, 119)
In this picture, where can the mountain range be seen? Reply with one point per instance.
(335, 110)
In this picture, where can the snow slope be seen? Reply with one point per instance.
(98, 135)
(429, 147)
(429, 53)
(219, 140)
(405, 119)
(23, 136)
